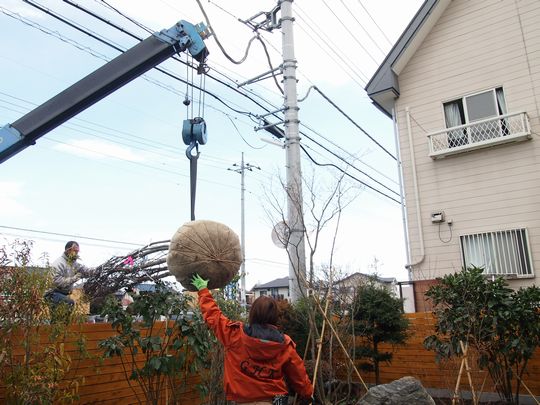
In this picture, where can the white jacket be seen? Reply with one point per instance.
(66, 272)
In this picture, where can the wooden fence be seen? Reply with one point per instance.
(414, 360)
(105, 380)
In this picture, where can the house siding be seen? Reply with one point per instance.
(475, 46)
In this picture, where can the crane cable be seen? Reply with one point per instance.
(194, 128)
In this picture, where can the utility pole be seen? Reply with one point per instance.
(296, 244)
(296, 249)
(241, 169)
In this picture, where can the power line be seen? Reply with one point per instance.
(375, 22)
(353, 122)
(71, 236)
(348, 175)
(361, 26)
(331, 47)
(350, 32)
(349, 154)
(125, 31)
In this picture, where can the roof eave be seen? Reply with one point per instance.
(385, 82)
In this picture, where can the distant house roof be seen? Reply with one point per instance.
(382, 280)
(278, 282)
(383, 87)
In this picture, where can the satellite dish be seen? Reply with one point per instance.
(280, 235)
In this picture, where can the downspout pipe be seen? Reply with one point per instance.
(410, 265)
(401, 193)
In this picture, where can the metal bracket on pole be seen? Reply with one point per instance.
(268, 24)
(268, 126)
(271, 113)
(263, 76)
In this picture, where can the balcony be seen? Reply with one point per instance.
(479, 134)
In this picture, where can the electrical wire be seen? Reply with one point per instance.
(247, 49)
(349, 155)
(363, 29)
(84, 31)
(236, 62)
(69, 2)
(348, 175)
(313, 26)
(354, 122)
(71, 236)
(350, 33)
(375, 22)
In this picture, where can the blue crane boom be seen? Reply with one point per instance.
(105, 80)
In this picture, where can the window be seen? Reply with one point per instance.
(499, 253)
(471, 109)
(262, 292)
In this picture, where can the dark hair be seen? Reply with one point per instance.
(264, 310)
(70, 244)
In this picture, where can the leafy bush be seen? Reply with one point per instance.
(36, 374)
(500, 324)
(378, 318)
(171, 351)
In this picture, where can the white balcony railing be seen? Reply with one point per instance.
(479, 134)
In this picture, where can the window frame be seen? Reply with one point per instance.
(521, 253)
(455, 139)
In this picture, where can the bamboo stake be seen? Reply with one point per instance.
(458, 381)
(528, 390)
(341, 344)
(465, 349)
(319, 345)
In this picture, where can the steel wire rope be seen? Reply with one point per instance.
(148, 30)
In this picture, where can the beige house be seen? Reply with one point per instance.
(462, 85)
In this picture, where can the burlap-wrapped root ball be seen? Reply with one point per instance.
(207, 248)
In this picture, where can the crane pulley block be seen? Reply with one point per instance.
(194, 130)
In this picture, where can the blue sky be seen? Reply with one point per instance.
(116, 177)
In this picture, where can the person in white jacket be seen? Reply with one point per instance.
(66, 271)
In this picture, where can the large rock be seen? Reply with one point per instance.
(208, 248)
(405, 391)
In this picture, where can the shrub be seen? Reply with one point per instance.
(378, 318)
(36, 374)
(501, 324)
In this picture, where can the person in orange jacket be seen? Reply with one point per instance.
(258, 357)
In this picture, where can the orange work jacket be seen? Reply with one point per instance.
(254, 369)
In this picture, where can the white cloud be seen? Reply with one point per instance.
(97, 149)
(10, 199)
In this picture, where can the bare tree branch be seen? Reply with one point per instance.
(148, 263)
